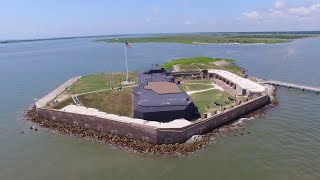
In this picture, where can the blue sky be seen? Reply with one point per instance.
(20, 19)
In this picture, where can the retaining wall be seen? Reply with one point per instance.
(179, 135)
(125, 129)
(152, 134)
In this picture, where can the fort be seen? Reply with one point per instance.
(164, 107)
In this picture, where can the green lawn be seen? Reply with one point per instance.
(99, 81)
(205, 81)
(206, 99)
(215, 38)
(200, 63)
(188, 62)
(112, 102)
(195, 87)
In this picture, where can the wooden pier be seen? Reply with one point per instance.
(292, 86)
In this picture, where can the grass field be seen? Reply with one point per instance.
(204, 81)
(195, 87)
(113, 101)
(99, 81)
(188, 62)
(205, 100)
(215, 38)
(200, 63)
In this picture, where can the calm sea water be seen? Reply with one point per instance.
(283, 144)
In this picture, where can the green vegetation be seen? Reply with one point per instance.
(204, 81)
(200, 63)
(195, 87)
(112, 101)
(205, 100)
(215, 38)
(63, 104)
(188, 62)
(99, 81)
(278, 36)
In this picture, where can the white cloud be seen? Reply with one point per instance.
(281, 12)
(187, 22)
(279, 4)
(304, 11)
(252, 15)
(277, 14)
(315, 7)
(299, 11)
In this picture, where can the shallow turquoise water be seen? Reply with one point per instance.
(283, 144)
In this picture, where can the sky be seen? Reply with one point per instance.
(23, 19)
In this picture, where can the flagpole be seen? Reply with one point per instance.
(125, 53)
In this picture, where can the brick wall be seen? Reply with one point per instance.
(181, 135)
(149, 133)
(124, 129)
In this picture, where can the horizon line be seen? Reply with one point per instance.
(126, 34)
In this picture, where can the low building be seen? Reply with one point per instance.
(243, 86)
(158, 98)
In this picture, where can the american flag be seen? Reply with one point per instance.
(128, 45)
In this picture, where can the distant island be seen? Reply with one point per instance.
(57, 38)
(191, 38)
(224, 38)
(48, 39)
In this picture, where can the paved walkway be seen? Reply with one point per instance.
(43, 101)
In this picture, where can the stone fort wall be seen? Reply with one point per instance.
(179, 135)
(152, 134)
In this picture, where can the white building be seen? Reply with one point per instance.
(242, 85)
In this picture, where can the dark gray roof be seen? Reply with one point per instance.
(157, 77)
(149, 100)
(156, 70)
(159, 101)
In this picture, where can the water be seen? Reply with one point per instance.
(283, 144)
